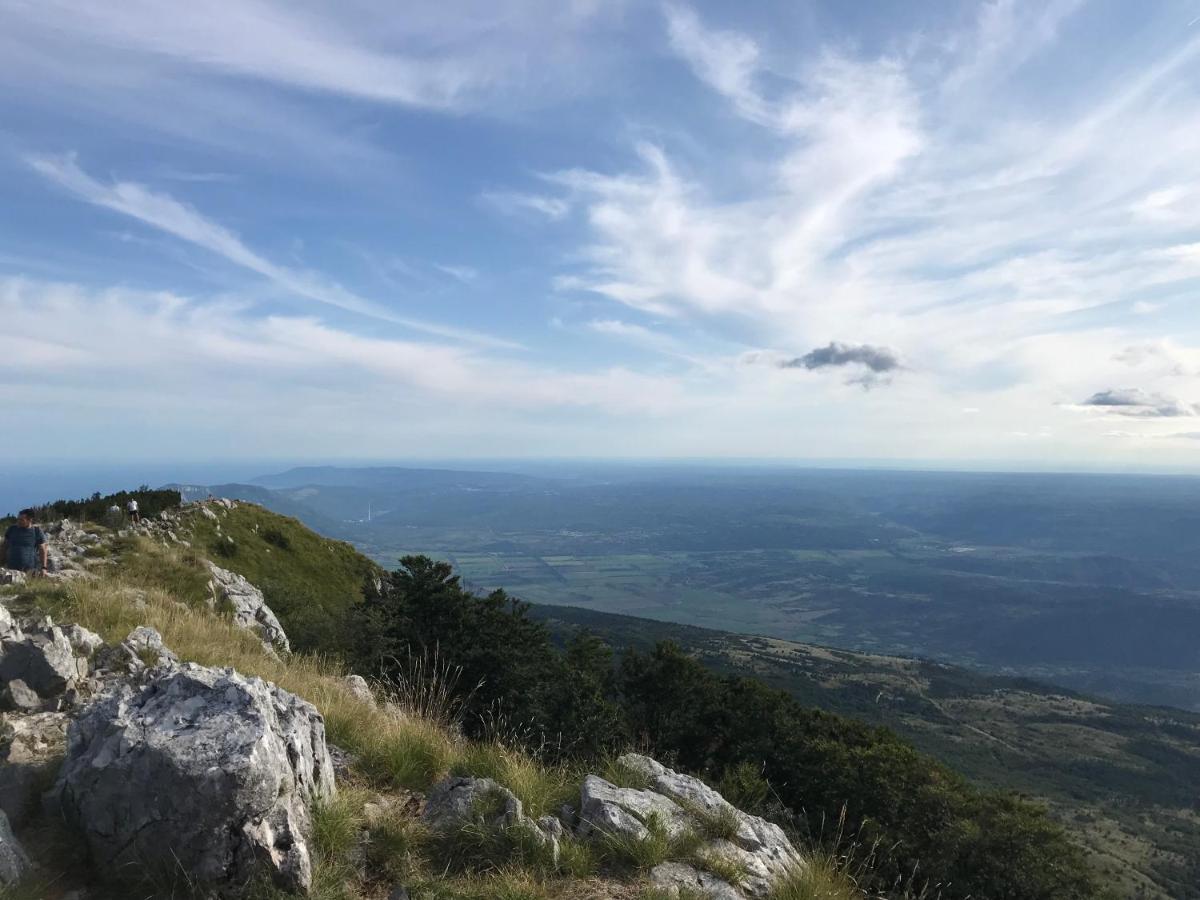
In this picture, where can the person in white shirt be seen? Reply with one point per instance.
(132, 508)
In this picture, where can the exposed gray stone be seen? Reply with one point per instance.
(41, 656)
(83, 641)
(247, 606)
(11, 576)
(568, 817)
(343, 760)
(17, 695)
(457, 801)
(551, 826)
(359, 688)
(758, 847)
(681, 804)
(13, 861)
(673, 878)
(608, 809)
(146, 646)
(202, 770)
(9, 627)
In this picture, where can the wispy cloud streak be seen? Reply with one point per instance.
(179, 220)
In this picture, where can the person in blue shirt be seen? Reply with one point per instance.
(24, 545)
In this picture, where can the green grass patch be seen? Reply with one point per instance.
(616, 772)
(499, 885)
(408, 753)
(309, 581)
(821, 878)
(396, 844)
(179, 571)
(480, 846)
(641, 854)
(541, 789)
(577, 859)
(728, 870)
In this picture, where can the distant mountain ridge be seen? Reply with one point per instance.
(389, 477)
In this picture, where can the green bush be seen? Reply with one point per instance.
(908, 812)
(802, 767)
(311, 583)
(520, 688)
(277, 538)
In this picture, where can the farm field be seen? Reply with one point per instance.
(1091, 582)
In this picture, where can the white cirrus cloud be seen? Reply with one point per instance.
(109, 340)
(446, 59)
(515, 203)
(178, 219)
(866, 195)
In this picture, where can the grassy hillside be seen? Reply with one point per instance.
(1124, 779)
(311, 582)
(272, 500)
(811, 763)
(369, 838)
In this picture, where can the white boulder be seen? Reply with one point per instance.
(247, 606)
(199, 770)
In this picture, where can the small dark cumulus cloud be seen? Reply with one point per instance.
(1139, 404)
(877, 359)
(874, 364)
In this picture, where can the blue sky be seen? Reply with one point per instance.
(799, 230)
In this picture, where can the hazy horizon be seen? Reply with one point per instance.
(46, 480)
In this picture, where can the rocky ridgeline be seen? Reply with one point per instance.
(75, 552)
(206, 777)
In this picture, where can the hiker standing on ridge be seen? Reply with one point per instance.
(24, 545)
(132, 508)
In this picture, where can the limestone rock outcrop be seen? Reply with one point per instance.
(608, 809)
(675, 879)
(198, 770)
(679, 804)
(358, 687)
(142, 650)
(458, 801)
(38, 664)
(248, 607)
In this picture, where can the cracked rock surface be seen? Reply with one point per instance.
(199, 770)
(679, 804)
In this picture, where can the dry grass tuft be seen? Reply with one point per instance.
(542, 789)
(427, 686)
(821, 878)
